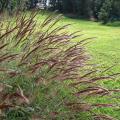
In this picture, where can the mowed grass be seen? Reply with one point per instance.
(104, 49)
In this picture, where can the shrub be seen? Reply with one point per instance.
(12, 6)
(105, 11)
(44, 73)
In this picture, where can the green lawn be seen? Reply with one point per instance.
(105, 50)
(105, 46)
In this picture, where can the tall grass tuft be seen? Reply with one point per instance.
(45, 74)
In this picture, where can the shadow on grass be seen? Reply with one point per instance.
(111, 24)
(76, 17)
(114, 24)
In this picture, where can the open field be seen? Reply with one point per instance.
(105, 47)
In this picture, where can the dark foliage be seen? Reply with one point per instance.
(103, 10)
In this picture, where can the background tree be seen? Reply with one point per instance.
(105, 11)
(115, 13)
(96, 6)
(102, 10)
(3, 4)
(12, 5)
(32, 3)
